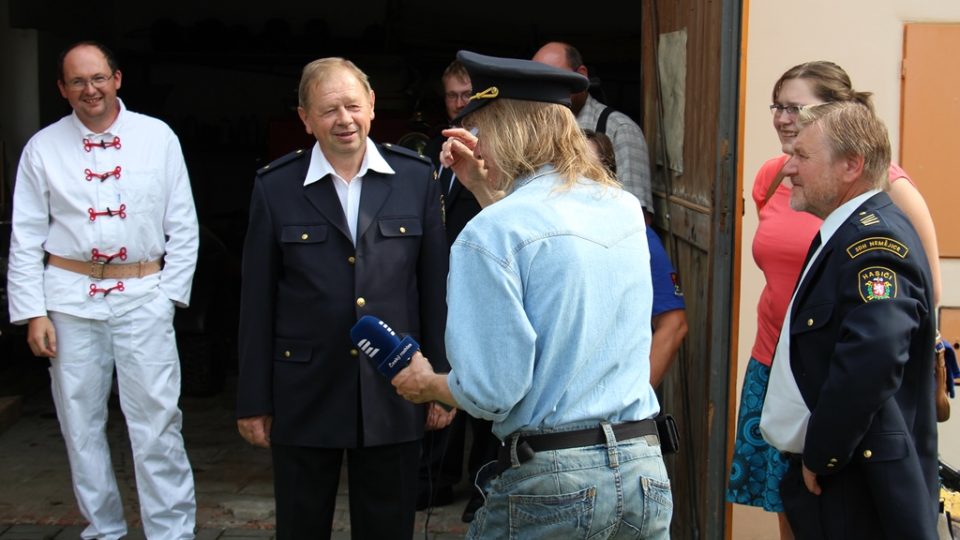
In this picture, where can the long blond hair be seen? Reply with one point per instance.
(526, 135)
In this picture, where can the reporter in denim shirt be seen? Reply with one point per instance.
(548, 328)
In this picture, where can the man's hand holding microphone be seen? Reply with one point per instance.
(408, 370)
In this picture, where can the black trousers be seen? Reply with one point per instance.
(848, 506)
(381, 483)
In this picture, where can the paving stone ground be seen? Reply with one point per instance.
(233, 479)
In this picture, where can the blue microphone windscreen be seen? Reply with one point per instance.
(373, 337)
(378, 341)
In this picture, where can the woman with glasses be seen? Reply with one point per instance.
(779, 248)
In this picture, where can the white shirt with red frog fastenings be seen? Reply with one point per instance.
(121, 196)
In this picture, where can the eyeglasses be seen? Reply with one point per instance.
(791, 110)
(98, 81)
(454, 96)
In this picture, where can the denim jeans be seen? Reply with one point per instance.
(613, 490)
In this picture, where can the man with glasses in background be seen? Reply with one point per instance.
(441, 464)
(104, 244)
(460, 205)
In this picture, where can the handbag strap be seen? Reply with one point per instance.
(777, 180)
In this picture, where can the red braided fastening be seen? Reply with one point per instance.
(95, 255)
(89, 145)
(122, 212)
(102, 176)
(94, 289)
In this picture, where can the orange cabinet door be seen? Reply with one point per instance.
(930, 118)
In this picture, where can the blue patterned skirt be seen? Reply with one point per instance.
(757, 468)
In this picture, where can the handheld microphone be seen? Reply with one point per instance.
(378, 341)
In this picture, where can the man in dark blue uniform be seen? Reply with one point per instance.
(851, 395)
(459, 203)
(347, 229)
(443, 451)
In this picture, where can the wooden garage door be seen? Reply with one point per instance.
(697, 205)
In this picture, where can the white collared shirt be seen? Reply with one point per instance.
(783, 422)
(55, 201)
(348, 190)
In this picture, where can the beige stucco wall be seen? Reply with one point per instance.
(865, 37)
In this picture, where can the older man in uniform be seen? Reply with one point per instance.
(104, 244)
(347, 229)
(851, 397)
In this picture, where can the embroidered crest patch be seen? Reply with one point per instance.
(877, 283)
(877, 243)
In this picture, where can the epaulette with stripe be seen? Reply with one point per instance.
(404, 151)
(281, 161)
(865, 220)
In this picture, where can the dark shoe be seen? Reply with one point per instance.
(474, 504)
(441, 497)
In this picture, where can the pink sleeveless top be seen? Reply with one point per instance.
(779, 247)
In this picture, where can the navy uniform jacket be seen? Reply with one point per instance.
(305, 285)
(862, 332)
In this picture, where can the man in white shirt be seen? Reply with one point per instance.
(104, 244)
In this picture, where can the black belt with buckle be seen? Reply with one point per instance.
(529, 445)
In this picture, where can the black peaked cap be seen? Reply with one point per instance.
(512, 78)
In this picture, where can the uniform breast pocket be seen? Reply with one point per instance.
(401, 227)
(811, 319)
(303, 247)
(399, 242)
(292, 350)
(303, 234)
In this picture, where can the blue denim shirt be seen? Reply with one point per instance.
(549, 299)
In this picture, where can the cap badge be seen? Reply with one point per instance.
(489, 93)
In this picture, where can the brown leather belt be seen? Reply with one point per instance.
(99, 270)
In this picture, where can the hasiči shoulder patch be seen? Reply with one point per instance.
(877, 283)
(875, 243)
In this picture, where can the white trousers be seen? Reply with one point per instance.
(142, 346)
